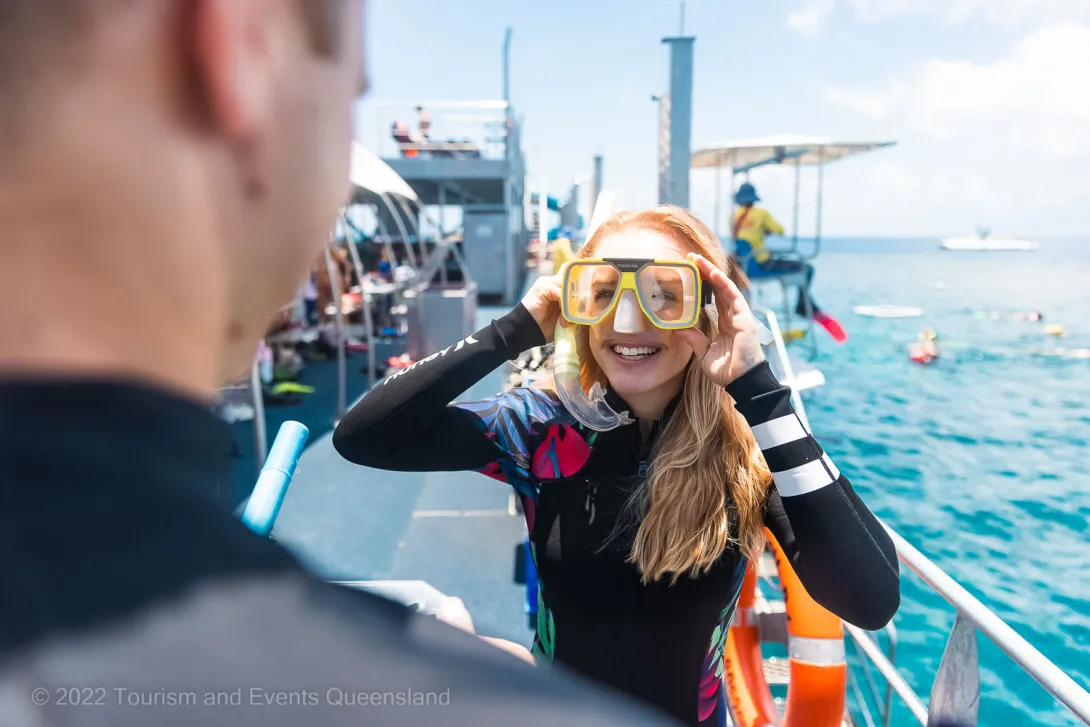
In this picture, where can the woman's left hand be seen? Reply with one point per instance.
(733, 348)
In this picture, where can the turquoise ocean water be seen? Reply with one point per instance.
(979, 460)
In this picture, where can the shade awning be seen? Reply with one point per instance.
(784, 149)
(373, 177)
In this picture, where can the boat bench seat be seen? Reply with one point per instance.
(743, 257)
(790, 280)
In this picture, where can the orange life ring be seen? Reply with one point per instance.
(816, 659)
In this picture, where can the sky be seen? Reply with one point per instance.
(988, 100)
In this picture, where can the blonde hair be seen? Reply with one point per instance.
(706, 458)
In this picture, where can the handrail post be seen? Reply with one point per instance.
(785, 362)
(257, 392)
(795, 216)
(853, 684)
(955, 695)
(338, 321)
(874, 652)
(365, 301)
(820, 203)
(891, 630)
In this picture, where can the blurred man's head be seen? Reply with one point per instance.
(168, 168)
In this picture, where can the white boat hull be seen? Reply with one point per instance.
(888, 311)
(989, 244)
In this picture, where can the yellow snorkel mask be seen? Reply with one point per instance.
(667, 293)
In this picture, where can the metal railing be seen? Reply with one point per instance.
(955, 692)
(447, 129)
(784, 282)
(868, 651)
(782, 361)
(247, 392)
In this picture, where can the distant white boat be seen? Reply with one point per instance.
(888, 311)
(983, 241)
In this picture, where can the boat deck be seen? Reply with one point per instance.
(452, 529)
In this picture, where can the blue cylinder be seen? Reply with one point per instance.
(272, 484)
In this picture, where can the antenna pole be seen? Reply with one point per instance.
(507, 65)
(597, 190)
(680, 119)
(682, 25)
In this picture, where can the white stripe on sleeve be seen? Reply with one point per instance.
(806, 478)
(779, 431)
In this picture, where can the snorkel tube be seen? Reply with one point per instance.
(592, 410)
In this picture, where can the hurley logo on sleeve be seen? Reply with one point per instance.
(467, 341)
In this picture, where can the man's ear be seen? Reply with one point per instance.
(234, 46)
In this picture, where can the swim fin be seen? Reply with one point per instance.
(831, 325)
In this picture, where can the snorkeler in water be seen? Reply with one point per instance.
(926, 349)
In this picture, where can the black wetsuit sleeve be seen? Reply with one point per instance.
(406, 422)
(840, 551)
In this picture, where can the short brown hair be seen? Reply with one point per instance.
(33, 32)
(324, 19)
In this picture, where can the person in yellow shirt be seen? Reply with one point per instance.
(751, 225)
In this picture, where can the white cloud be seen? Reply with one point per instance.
(1000, 12)
(885, 176)
(876, 105)
(1033, 100)
(811, 16)
(810, 19)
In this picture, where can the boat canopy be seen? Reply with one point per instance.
(373, 178)
(746, 154)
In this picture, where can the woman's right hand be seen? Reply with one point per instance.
(543, 303)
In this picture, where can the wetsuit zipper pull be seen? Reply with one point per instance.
(589, 506)
(645, 451)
